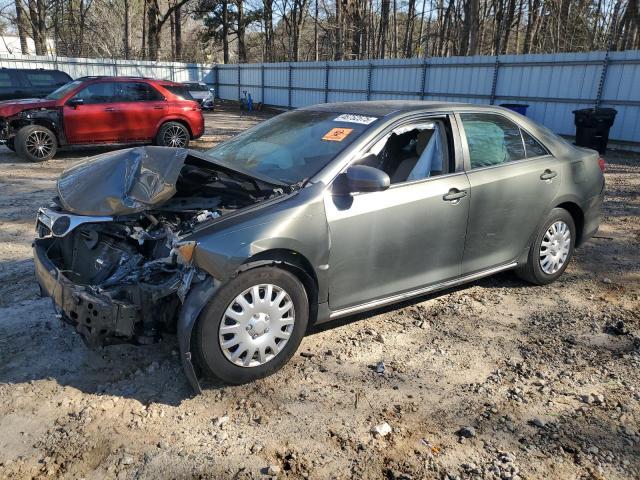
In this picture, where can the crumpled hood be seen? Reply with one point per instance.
(11, 107)
(122, 182)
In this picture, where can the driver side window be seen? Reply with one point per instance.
(412, 152)
(97, 93)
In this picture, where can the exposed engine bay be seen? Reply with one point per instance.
(122, 254)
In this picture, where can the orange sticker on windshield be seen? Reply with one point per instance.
(337, 134)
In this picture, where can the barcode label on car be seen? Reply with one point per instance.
(347, 117)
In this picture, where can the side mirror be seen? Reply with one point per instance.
(75, 102)
(361, 179)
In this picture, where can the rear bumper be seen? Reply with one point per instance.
(592, 216)
(98, 318)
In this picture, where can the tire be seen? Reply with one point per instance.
(250, 330)
(11, 144)
(35, 143)
(543, 267)
(173, 134)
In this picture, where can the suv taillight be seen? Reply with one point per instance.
(601, 164)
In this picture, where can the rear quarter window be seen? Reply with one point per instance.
(41, 79)
(181, 92)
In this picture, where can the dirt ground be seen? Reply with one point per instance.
(493, 380)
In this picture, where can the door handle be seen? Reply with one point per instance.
(158, 107)
(548, 175)
(110, 109)
(455, 195)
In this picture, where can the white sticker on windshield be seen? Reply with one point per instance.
(348, 117)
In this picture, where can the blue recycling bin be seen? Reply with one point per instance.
(516, 107)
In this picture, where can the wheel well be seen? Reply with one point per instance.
(578, 218)
(181, 122)
(295, 263)
(43, 122)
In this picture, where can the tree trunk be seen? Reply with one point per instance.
(384, 27)
(144, 30)
(408, 34)
(22, 31)
(225, 31)
(508, 25)
(37, 13)
(268, 29)
(315, 32)
(242, 48)
(394, 42)
(178, 32)
(338, 48)
(153, 30)
(125, 37)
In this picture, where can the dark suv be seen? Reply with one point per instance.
(30, 83)
(99, 111)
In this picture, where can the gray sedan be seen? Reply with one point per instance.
(313, 215)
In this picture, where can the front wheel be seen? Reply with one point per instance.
(253, 326)
(551, 250)
(173, 134)
(35, 143)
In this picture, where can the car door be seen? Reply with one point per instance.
(140, 110)
(11, 85)
(513, 181)
(94, 119)
(400, 239)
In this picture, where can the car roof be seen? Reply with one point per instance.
(382, 108)
(128, 78)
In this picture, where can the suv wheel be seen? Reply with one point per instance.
(253, 326)
(173, 134)
(551, 250)
(35, 143)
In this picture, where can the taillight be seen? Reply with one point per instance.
(601, 164)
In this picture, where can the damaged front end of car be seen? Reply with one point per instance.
(114, 252)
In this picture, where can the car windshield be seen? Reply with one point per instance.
(63, 90)
(293, 146)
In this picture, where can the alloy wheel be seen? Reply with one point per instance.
(257, 325)
(39, 144)
(175, 136)
(555, 246)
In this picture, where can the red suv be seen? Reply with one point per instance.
(101, 110)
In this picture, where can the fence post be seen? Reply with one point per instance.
(326, 82)
(239, 97)
(369, 69)
(262, 83)
(289, 86)
(173, 72)
(494, 83)
(423, 87)
(217, 81)
(603, 78)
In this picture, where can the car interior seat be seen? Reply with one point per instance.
(407, 165)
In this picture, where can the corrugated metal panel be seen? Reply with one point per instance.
(553, 85)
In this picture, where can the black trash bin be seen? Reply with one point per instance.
(592, 127)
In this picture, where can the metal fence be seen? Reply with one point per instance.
(553, 85)
(80, 67)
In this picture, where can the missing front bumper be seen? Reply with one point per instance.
(99, 319)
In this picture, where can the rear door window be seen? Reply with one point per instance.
(5, 80)
(492, 140)
(103, 92)
(137, 92)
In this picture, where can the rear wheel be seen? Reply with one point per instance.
(35, 143)
(173, 134)
(253, 326)
(551, 250)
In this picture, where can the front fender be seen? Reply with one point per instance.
(196, 299)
